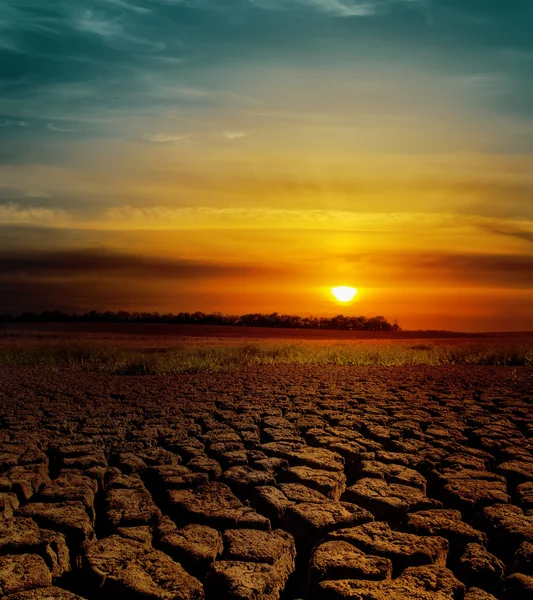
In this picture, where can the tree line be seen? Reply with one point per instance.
(354, 323)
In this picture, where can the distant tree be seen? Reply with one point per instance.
(342, 322)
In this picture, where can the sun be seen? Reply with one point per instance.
(344, 293)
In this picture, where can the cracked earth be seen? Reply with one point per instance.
(272, 483)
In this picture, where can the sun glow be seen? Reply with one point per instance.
(344, 293)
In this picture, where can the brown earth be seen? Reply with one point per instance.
(276, 482)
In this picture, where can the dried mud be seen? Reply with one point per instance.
(278, 482)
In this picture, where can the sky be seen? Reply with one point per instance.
(248, 155)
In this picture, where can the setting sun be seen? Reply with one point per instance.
(344, 293)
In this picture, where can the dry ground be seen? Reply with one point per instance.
(274, 482)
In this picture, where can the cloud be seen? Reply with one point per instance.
(129, 6)
(52, 127)
(89, 262)
(205, 96)
(17, 296)
(234, 135)
(67, 278)
(492, 268)
(111, 29)
(106, 28)
(14, 213)
(341, 8)
(86, 278)
(163, 138)
(513, 232)
(344, 8)
(258, 217)
(20, 194)
(451, 269)
(9, 123)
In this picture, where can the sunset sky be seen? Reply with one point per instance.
(248, 155)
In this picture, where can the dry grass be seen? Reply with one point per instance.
(208, 358)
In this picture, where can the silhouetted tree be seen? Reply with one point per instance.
(355, 323)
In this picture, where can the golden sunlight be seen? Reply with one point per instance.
(344, 293)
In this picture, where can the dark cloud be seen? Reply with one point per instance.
(36, 295)
(79, 280)
(28, 239)
(514, 232)
(90, 262)
(441, 269)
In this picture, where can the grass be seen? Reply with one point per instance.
(201, 359)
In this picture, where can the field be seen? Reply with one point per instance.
(148, 349)
(167, 463)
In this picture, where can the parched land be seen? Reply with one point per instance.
(285, 481)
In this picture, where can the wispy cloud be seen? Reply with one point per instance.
(342, 8)
(10, 123)
(164, 138)
(89, 22)
(111, 29)
(219, 96)
(503, 229)
(128, 6)
(59, 129)
(12, 213)
(337, 8)
(257, 217)
(234, 135)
